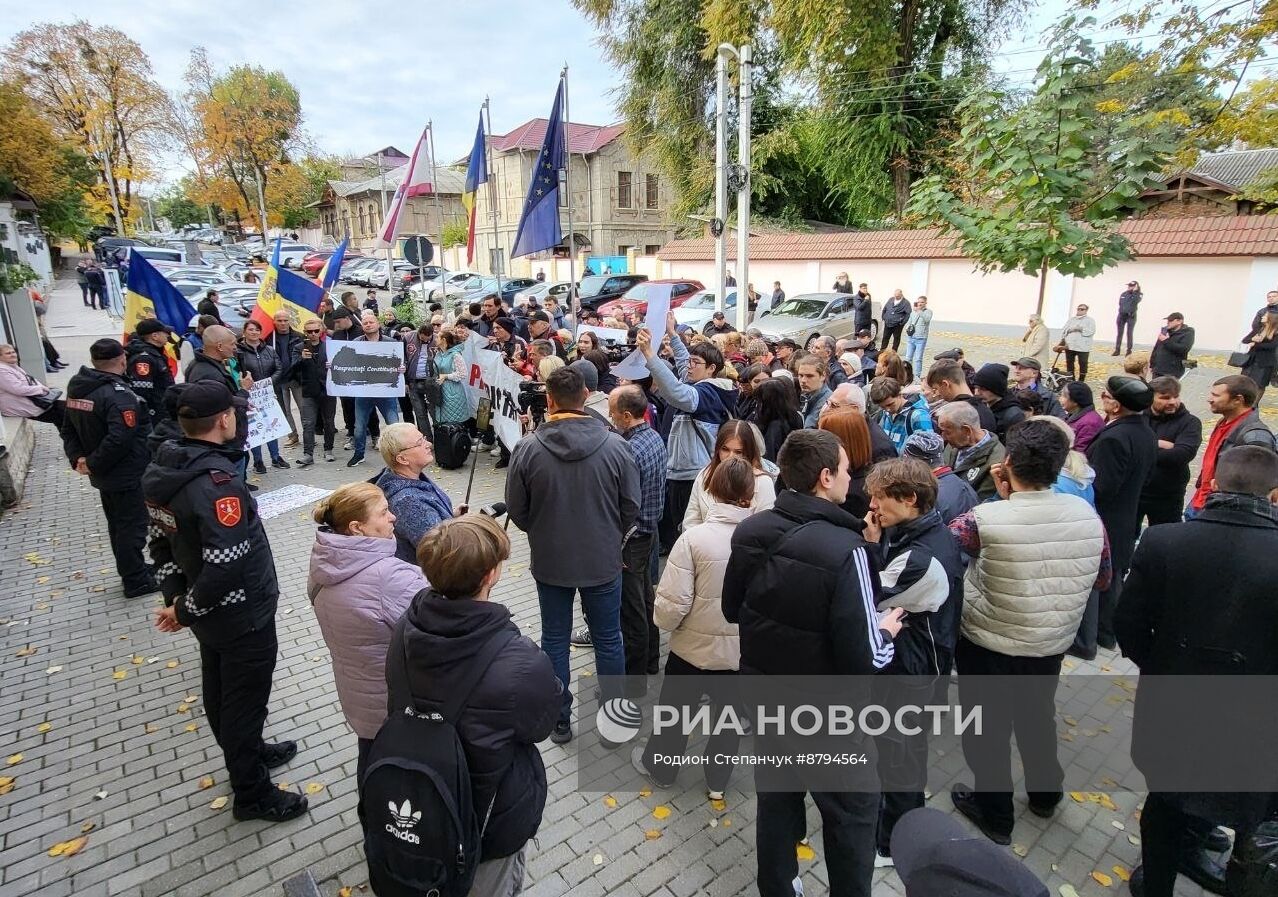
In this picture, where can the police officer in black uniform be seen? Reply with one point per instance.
(147, 367)
(218, 577)
(104, 435)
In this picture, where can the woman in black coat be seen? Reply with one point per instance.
(776, 413)
(259, 361)
(1262, 354)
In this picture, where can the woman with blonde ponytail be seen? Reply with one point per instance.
(359, 590)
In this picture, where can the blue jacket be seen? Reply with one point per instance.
(699, 409)
(418, 505)
(913, 416)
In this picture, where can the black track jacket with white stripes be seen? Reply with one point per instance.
(213, 561)
(802, 585)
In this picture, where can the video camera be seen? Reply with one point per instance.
(617, 352)
(532, 400)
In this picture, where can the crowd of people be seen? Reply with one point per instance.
(834, 509)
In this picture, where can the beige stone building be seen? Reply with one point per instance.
(356, 206)
(619, 202)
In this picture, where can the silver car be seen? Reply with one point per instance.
(801, 317)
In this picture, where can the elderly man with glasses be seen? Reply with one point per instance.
(319, 409)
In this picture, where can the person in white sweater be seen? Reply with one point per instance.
(704, 647)
(736, 439)
(1036, 556)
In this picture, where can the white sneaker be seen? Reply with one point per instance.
(346, 446)
(711, 794)
(882, 862)
(798, 886)
(496, 451)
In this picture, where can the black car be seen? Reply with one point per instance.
(596, 289)
(107, 247)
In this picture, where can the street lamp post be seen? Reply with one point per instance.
(741, 179)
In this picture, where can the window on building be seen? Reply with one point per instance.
(625, 190)
(652, 249)
(361, 221)
(650, 191)
(496, 262)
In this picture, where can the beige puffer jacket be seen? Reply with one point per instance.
(689, 596)
(1025, 593)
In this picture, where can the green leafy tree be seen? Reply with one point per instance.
(175, 205)
(1042, 184)
(455, 234)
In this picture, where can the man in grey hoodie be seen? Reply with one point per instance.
(573, 480)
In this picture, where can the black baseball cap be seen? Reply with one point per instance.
(151, 325)
(936, 857)
(205, 398)
(539, 316)
(1175, 316)
(105, 350)
(788, 343)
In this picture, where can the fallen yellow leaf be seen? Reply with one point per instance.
(14, 758)
(138, 660)
(283, 786)
(610, 802)
(661, 812)
(172, 665)
(804, 852)
(206, 782)
(149, 729)
(344, 892)
(119, 674)
(88, 827)
(1077, 796)
(218, 804)
(192, 727)
(718, 805)
(314, 787)
(726, 822)
(1102, 879)
(191, 699)
(183, 708)
(645, 792)
(43, 727)
(1122, 873)
(652, 834)
(26, 652)
(68, 848)
(1020, 850)
(6, 784)
(41, 580)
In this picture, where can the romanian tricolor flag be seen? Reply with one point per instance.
(282, 289)
(476, 174)
(333, 267)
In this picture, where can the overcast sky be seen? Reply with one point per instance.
(370, 75)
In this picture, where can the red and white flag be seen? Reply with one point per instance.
(417, 182)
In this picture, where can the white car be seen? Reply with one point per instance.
(291, 254)
(699, 309)
(454, 284)
(559, 289)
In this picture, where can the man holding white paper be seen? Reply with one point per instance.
(366, 406)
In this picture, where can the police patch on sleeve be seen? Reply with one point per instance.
(130, 417)
(227, 510)
(143, 368)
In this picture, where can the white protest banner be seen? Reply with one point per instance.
(115, 294)
(366, 370)
(633, 367)
(658, 307)
(489, 375)
(265, 417)
(282, 500)
(470, 357)
(606, 334)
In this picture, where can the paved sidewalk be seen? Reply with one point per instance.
(103, 717)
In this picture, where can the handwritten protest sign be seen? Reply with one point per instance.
(281, 501)
(366, 370)
(488, 375)
(266, 419)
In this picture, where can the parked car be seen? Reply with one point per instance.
(291, 254)
(512, 285)
(800, 317)
(699, 309)
(376, 275)
(454, 284)
(635, 300)
(596, 289)
(352, 267)
(414, 274)
(560, 289)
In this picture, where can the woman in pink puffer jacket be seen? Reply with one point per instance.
(359, 590)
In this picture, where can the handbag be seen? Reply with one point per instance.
(1239, 358)
(47, 400)
(909, 331)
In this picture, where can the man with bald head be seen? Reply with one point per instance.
(216, 362)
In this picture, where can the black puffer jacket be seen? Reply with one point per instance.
(1170, 475)
(204, 368)
(804, 546)
(1168, 357)
(212, 557)
(513, 706)
(312, 372)
(1006, 413)
(148, 375)
(260, 362)
(106, 425)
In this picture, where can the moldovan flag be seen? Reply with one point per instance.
(149, 295)
(333, 267)
(282, 289)
(417, 182)
(476, 174)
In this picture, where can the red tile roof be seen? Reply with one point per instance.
(1232, 235)
(581, 138)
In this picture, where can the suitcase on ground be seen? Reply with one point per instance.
(452, 445)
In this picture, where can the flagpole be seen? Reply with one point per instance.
(390, 267)
(572, 242)
(439, 213)
(492, 195)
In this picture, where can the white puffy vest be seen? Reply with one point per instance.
(1025, 594)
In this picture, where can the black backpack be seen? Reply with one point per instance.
(422, 833)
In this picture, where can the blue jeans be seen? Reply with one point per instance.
(273, 447)
(363, 408)
(914, 347)
(602, 607)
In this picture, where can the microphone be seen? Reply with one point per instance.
(496, 509)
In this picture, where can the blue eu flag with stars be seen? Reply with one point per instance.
(539, 223)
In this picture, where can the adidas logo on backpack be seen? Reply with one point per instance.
(404, 819)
